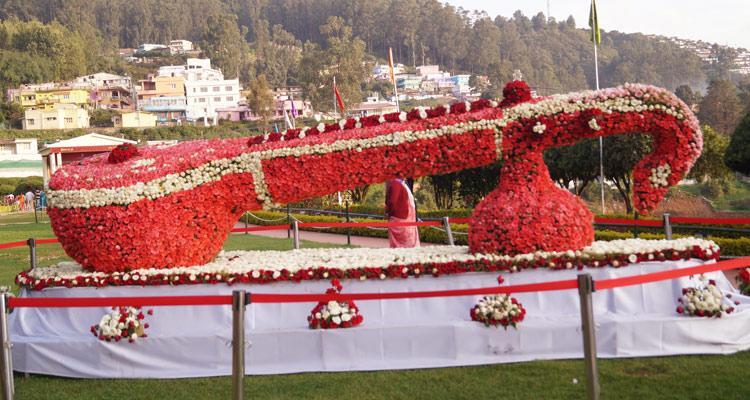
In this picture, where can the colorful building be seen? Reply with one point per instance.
(60, 116)
(169, 110)
(40, 98)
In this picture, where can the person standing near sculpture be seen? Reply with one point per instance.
(29, 201)
(400, 207)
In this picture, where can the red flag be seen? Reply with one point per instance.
(339, 100)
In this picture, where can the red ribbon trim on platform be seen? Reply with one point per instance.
(602, 284)
(711, 221)
(37, 302)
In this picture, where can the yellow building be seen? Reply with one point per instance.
(60, 116)
(161, 86)
(48, 98)
(138, 119)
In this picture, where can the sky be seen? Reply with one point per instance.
(726, 22)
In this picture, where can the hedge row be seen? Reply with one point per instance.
(729, 246)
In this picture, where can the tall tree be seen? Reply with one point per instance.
(720, 107)
(260, 98)
(225, 44)
(710, 165)
(738, 152)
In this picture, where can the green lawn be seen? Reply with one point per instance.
(685, 377)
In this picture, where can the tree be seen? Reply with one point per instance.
(260, 98)
(444, 189)
(344, 58)
(737, 155)
(710, 165)
(686, 94)
(621, 153)
(225, 44)
(574, 167)
(721, 107)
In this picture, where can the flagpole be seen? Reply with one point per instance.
(595, 36)
(335, 109)
(393, 77)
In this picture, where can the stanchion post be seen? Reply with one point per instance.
(295, 232)
(32, 252)
(667, 226)
(288, 221)
(348, 230)
(585, 288)
(239, 300)
(635, 226)
(246, 218)
(6, 362)
(448, 231)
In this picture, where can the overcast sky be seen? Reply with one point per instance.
(725, 22)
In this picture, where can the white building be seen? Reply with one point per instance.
(146, 47)
(103, 79)
(206, 90)
(180, 46)
(205, 96)
(19, 158)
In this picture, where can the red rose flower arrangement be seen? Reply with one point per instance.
(116, 217)
(122, 323)
(122, 153)
(334, 314)
(744, 280)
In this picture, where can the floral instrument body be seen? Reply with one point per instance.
(169, 206)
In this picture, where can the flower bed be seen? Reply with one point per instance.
(261, 267)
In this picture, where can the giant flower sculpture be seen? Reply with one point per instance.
(168, 206)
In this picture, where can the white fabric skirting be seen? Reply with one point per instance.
(635, 321)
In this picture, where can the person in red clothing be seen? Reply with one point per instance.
(400, 207)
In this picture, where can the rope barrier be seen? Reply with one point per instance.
(262, 228)
(568, 284)
(266, 220)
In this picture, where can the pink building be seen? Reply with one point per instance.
(235, 114)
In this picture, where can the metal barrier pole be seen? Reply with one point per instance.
(448, 231)
(239, 300)
(288, 221)
(585, 288)
(32, 252)
(295, 231)
(348, 230)
(5, 354)
(635, 227)
(667, 226)
(246, 218)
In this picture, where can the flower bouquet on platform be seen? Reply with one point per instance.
(744, 280)
(334, 314)
(705, 300)
(122, 323)
(498, 310)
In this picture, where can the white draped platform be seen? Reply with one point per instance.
(635, 321)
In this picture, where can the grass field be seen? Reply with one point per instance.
(685, 377)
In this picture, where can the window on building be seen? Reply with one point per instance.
(173, 86)
(228, 88)
(230, 98)
(216, 88)
(68, 120)
(202, 100)
(204, 89)
(217, 99)
(66, 96)
(51, 118)
(29, 122)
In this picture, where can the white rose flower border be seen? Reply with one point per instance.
(260, 267)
